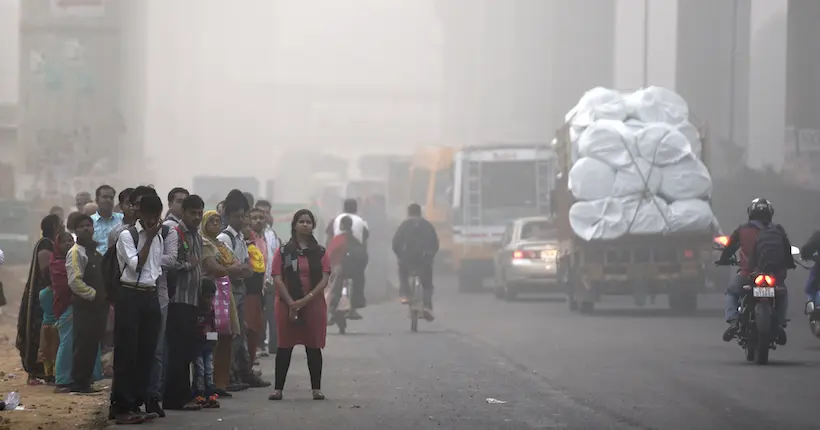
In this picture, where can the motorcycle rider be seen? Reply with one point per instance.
(415, 245)
(807, 253)
(361, 232)
(744, 238)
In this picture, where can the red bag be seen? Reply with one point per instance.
(222, 306)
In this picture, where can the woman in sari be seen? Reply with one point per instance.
(216, 259)
(30, 317)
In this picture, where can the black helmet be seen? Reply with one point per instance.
(760, 210)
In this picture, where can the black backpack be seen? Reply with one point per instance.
(112, 272)
(769, 256)
(355, 258)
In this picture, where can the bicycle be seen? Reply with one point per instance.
(416, 302)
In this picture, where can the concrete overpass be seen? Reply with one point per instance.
(750, 69)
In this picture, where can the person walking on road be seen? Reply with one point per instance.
(300, 269)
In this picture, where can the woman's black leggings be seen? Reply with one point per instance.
(314, 359)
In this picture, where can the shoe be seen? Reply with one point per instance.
(212, 403)
(153, 406)
(277, 395)
(63, 389)
(127, 418)
(222, 394)
(84, 390)
(428, 315)
(781, 338)
(237, 387)
(201, 400)
(353, 315)
(730, 332)
(257, 382)
(317, 395)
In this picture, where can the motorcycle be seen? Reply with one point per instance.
(812, 309)
(758, 327)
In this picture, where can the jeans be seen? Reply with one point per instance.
(241, 366)
(734, 291)
(270, 317)
(89, 330)
(65, 353)
(136, 328)
(155, 386)
(204, 369)
(425, 273)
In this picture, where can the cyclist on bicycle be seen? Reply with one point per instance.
(347, 256)
(415, 245)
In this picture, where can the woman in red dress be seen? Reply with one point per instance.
(300, 270)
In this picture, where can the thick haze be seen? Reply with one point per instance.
(221, 75)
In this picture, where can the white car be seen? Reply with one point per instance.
(527, 259)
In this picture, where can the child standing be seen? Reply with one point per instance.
(206, 341)
(49, 336)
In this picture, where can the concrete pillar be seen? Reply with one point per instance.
(645, 43)
(768, 83)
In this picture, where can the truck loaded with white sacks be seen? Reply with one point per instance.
(632, 199)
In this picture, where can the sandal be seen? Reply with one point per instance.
(317, 395)
(277, 395)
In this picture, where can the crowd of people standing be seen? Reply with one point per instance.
(191, 292)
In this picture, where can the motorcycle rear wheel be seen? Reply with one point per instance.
(763, 323)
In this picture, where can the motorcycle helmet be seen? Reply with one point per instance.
(760, 210)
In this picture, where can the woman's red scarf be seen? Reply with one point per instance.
(59, 283)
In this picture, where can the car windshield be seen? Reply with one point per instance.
(537, 230)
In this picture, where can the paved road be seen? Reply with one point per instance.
(617, 369)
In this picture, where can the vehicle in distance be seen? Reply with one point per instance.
(526, 260)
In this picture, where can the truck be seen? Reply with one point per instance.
(642, 266)
(493, 185)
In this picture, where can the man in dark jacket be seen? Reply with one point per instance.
(808, 253)
(415, 245)
(744, 239)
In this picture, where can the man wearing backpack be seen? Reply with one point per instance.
(764, 247)
(416, 245)
(361, 231)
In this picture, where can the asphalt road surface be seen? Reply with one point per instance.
(531, 364)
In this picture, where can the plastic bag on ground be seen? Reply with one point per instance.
(640, 177)
(596, 104)
(657, 104)
(591, 179)
(687, 179)
(598, 219)
(690, 216)
(646, 215)
(662, 144)
(609, 141)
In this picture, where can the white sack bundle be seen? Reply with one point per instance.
(692, 135)
(687, 179)
(657, 104)
(609, 141)
(646, 215)
(598, 219)
(662, 144)
(690, 216)
(637, 178)
(596, 104)
(591, 179)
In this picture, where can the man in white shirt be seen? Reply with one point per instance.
(137, 310)
(362, 233)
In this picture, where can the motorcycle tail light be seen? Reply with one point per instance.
(722, 240)
(765, 280)
(688, 253)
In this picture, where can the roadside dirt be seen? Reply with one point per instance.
(42, 408)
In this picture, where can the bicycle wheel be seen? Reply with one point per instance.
(414, 306)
